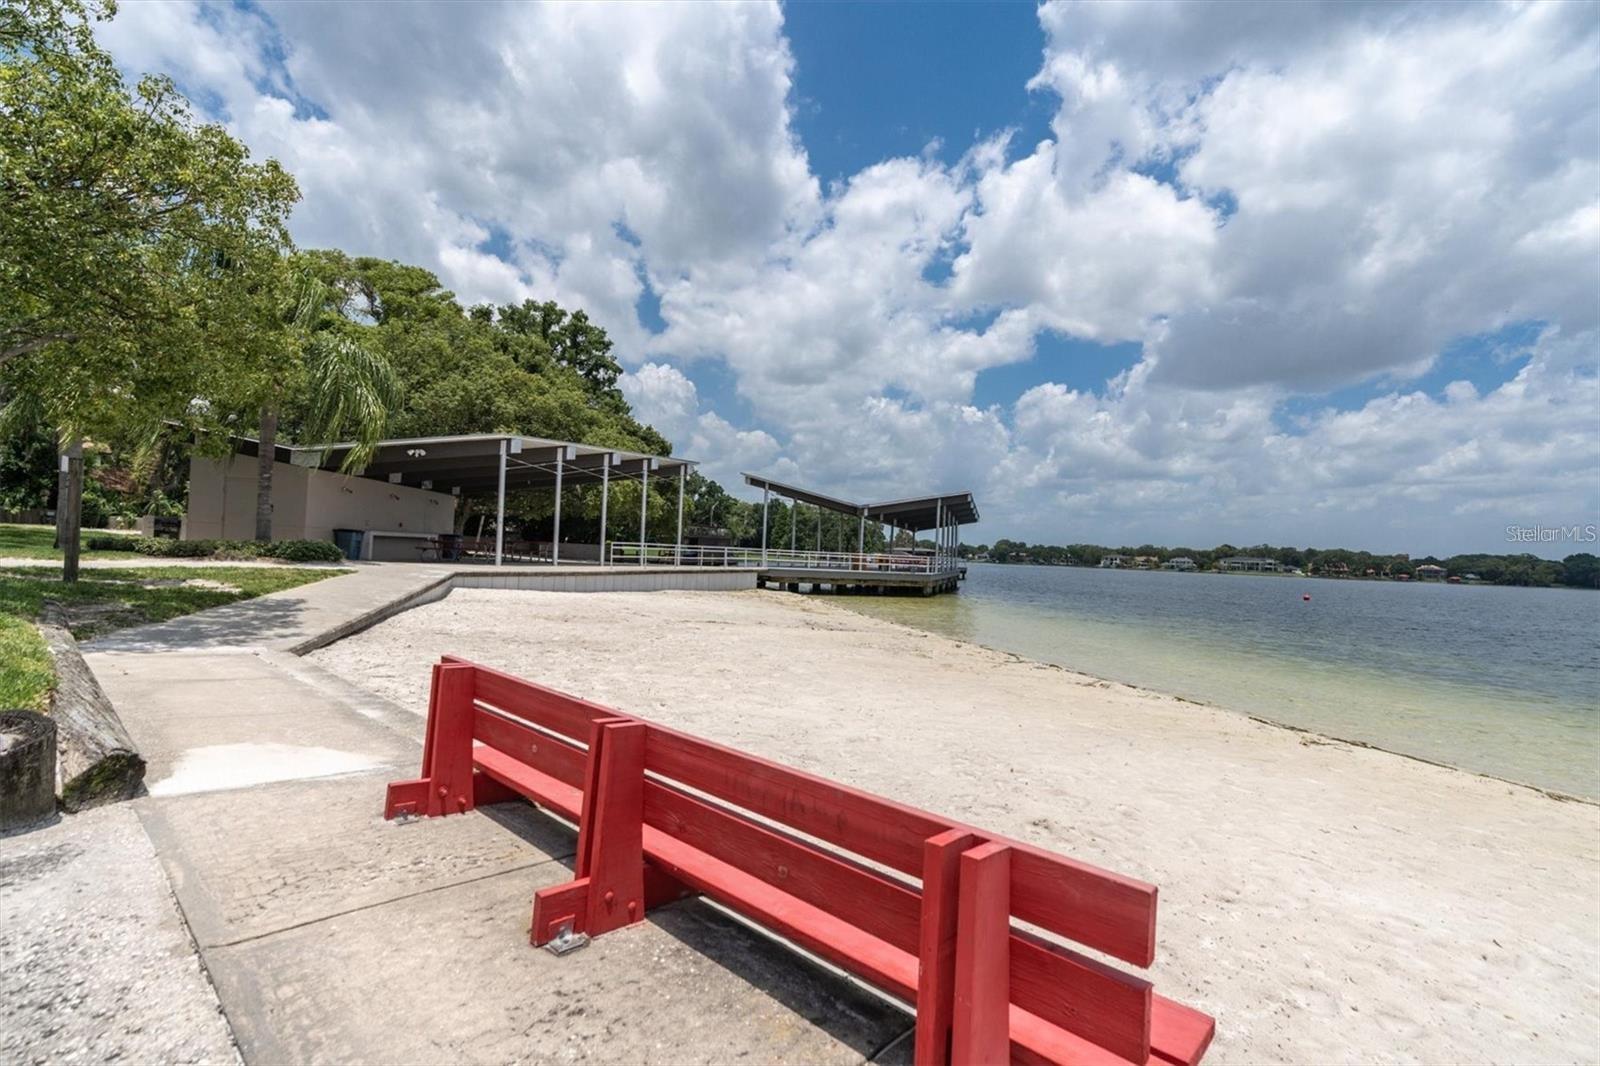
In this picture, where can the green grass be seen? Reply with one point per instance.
(26, 676)
(39, 542)
(109, 599)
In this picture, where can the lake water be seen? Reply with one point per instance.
(1504, 681)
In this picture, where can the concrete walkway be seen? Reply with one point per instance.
(330, 935)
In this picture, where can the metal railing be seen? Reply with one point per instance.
(632, 553)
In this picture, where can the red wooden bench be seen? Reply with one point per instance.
(662, 814)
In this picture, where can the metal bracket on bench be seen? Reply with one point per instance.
(565, 940)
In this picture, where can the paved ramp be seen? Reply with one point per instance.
(331, 935)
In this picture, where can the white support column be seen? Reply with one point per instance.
(861, 534)
(605, 500)
(938, 535)
(500, 510)
(677, 554)
(819, 529)
(555, 531)
(794, 522)
(644, 506)
(766, 497)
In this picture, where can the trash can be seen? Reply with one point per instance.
(349, 542)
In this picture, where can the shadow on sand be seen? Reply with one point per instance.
(873, 1027)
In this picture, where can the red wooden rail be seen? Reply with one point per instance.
(662, 814)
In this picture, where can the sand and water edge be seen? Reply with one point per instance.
(1325, 901)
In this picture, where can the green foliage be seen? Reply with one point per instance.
(132, 238)
(303, 551)
(108, 599)
(533, 369)
(296, 551)
(27, 465)
(1578, 571)
(26, 672)
(568, 340)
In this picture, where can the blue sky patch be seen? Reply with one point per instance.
(878, 81)
(1078, 364)
(1487, 360)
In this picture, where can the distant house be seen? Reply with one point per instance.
(1146, 562)
(1114, 562)
(1180, 562)
(1336, 569)
(1254, 564)
(1429, 572)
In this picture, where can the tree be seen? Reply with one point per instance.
(571, 340)
(132, 238)
(1581, 571)
(347, 388)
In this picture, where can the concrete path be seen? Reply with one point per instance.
(331, 935)
(96, 964)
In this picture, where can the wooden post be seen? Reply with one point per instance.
(614, 859)
(936, 965)
(608, 891)
(981, 1027)
(446, 785)
(69, 508)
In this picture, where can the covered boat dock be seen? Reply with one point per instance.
(909, 569)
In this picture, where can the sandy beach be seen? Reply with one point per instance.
(1326, 902)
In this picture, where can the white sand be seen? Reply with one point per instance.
(1326, 903)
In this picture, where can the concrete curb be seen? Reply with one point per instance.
(430, 593)
(692, 579)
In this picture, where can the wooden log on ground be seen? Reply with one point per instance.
(27, 768)
(97, 762)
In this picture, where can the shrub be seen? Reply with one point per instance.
(168, 548)
(293, 551)
(113, 544)
(304, 551)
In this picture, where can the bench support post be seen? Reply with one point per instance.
(446, 785)
(936, 954)
(982, 1023)
(609, 890)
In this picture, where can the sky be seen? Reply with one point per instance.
(1314, 274)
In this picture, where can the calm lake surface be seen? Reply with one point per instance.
(1505, 681)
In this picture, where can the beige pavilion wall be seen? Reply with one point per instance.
(306, 504)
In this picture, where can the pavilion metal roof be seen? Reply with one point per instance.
(469, 464)
(794, 492)
(919, 512)
(922, 512)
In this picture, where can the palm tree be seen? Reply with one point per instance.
(350, 388)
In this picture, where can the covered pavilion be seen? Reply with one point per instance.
(943, 513)
(425, 472)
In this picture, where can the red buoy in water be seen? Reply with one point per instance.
(1306, 596)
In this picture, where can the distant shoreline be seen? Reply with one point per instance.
(1365, 578)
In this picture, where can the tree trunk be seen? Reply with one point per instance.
(96, 759)
(69, 508)
(27, 768)
(264, 453)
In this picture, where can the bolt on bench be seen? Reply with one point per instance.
(662, 815)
